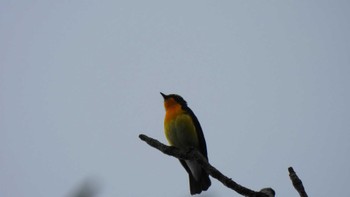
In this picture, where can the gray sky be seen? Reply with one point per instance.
(79, 81)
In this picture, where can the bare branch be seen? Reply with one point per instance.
(192, 154)
(298, 185)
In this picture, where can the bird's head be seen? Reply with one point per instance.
(172, 100)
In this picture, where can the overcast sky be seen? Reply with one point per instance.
(80, 80)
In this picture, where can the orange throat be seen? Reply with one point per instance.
(172, 109)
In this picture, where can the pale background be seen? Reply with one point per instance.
(80, 80)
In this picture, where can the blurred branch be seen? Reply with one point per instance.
(192, 154)
(298, 185)
(89, 188)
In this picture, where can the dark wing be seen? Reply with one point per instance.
(202, 144)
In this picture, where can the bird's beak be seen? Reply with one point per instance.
(164, 96)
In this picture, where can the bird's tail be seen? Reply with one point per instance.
(196, 187)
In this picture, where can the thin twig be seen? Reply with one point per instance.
(298, 185)
(192, 154)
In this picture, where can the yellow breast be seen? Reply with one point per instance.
(179, 128)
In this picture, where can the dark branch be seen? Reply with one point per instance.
(298, 185)
(192, 154)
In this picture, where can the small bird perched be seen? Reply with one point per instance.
(182, 130)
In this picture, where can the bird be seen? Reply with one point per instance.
(182, 130)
